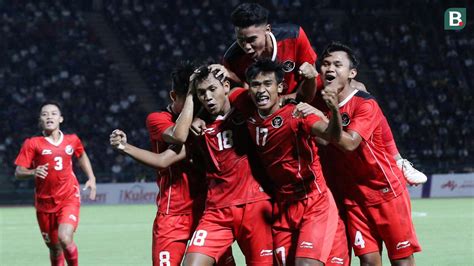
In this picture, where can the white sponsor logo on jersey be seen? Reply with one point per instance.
(336, 260)
(403, 244)
(266, 252)
(252, 120)
(209, 130)
(69, 150)
(305, 244)
(45, 152)
(73, 217)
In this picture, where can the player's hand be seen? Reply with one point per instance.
(304, 109)
(358, 85)
(221, 72)
(198, 126)
(330, 97)
(41, 171)
(308, 71)
(90, 184)
(118, 139)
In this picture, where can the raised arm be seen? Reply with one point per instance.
(86, 166)
(307, 90)
(118, 140)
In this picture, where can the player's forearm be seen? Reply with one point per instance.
(333, 131)
(180, 130)
(306, 91)
(154, 160)
(24, 173)
(86, 166)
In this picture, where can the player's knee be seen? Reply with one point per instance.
(371, 259)
(65, 238)
(55, 249)
(196, 259)
(408, 261)
(307, 262)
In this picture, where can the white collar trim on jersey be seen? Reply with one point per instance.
(57, 143)
(224, 117)
(341, 104)
(275, 46)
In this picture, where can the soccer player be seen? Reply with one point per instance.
(48, 159)
(237, 208)
(256, 39)
(182, 188)
(306, 216)
(411, 174)
(376, 201)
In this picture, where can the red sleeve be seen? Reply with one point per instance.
(240, 99)
(366, 118)
(157, 124)
(304, 51)
(309, 121)
(26, 155)
(78, 147)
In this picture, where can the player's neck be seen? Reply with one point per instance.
(268, 46)
(225, 110)
(53, 135)
(268, 112)
(345, 93)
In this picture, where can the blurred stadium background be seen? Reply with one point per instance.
(108, 62)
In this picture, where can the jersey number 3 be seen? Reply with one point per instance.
(59, 163)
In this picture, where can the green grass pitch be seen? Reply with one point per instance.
(121, 235)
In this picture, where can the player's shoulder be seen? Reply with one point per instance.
(161, 115)
(285, 31)
(233, 52)
(365, 96)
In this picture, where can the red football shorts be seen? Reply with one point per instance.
(170, 237)
(249, 224)
(389, 222)
(49, 221)
(305, 228)
(340, 251)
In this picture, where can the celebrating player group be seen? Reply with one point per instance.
(298, 166)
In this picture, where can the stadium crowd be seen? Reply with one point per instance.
(50, 52)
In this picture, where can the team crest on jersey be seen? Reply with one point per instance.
(277, 122)
(69, 150)
(345, 119)
(288, 66)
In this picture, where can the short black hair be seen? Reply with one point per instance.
(265, 65)
(336, 47)
(249, 14)
(50, 102)
(180, 77)
(202, 73)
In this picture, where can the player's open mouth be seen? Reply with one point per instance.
(49, 123)
(211, 106)
(329, 77)
(262, 100)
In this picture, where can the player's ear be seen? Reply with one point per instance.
(226, 85)
(268, 28)
(352, 73)
(280, 87)
(61, 119)
(173, 95)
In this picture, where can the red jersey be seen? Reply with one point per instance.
(61, 183)
(181, 187)
(292, 49)
(368, 175)
(230, 177)
(288, 151)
